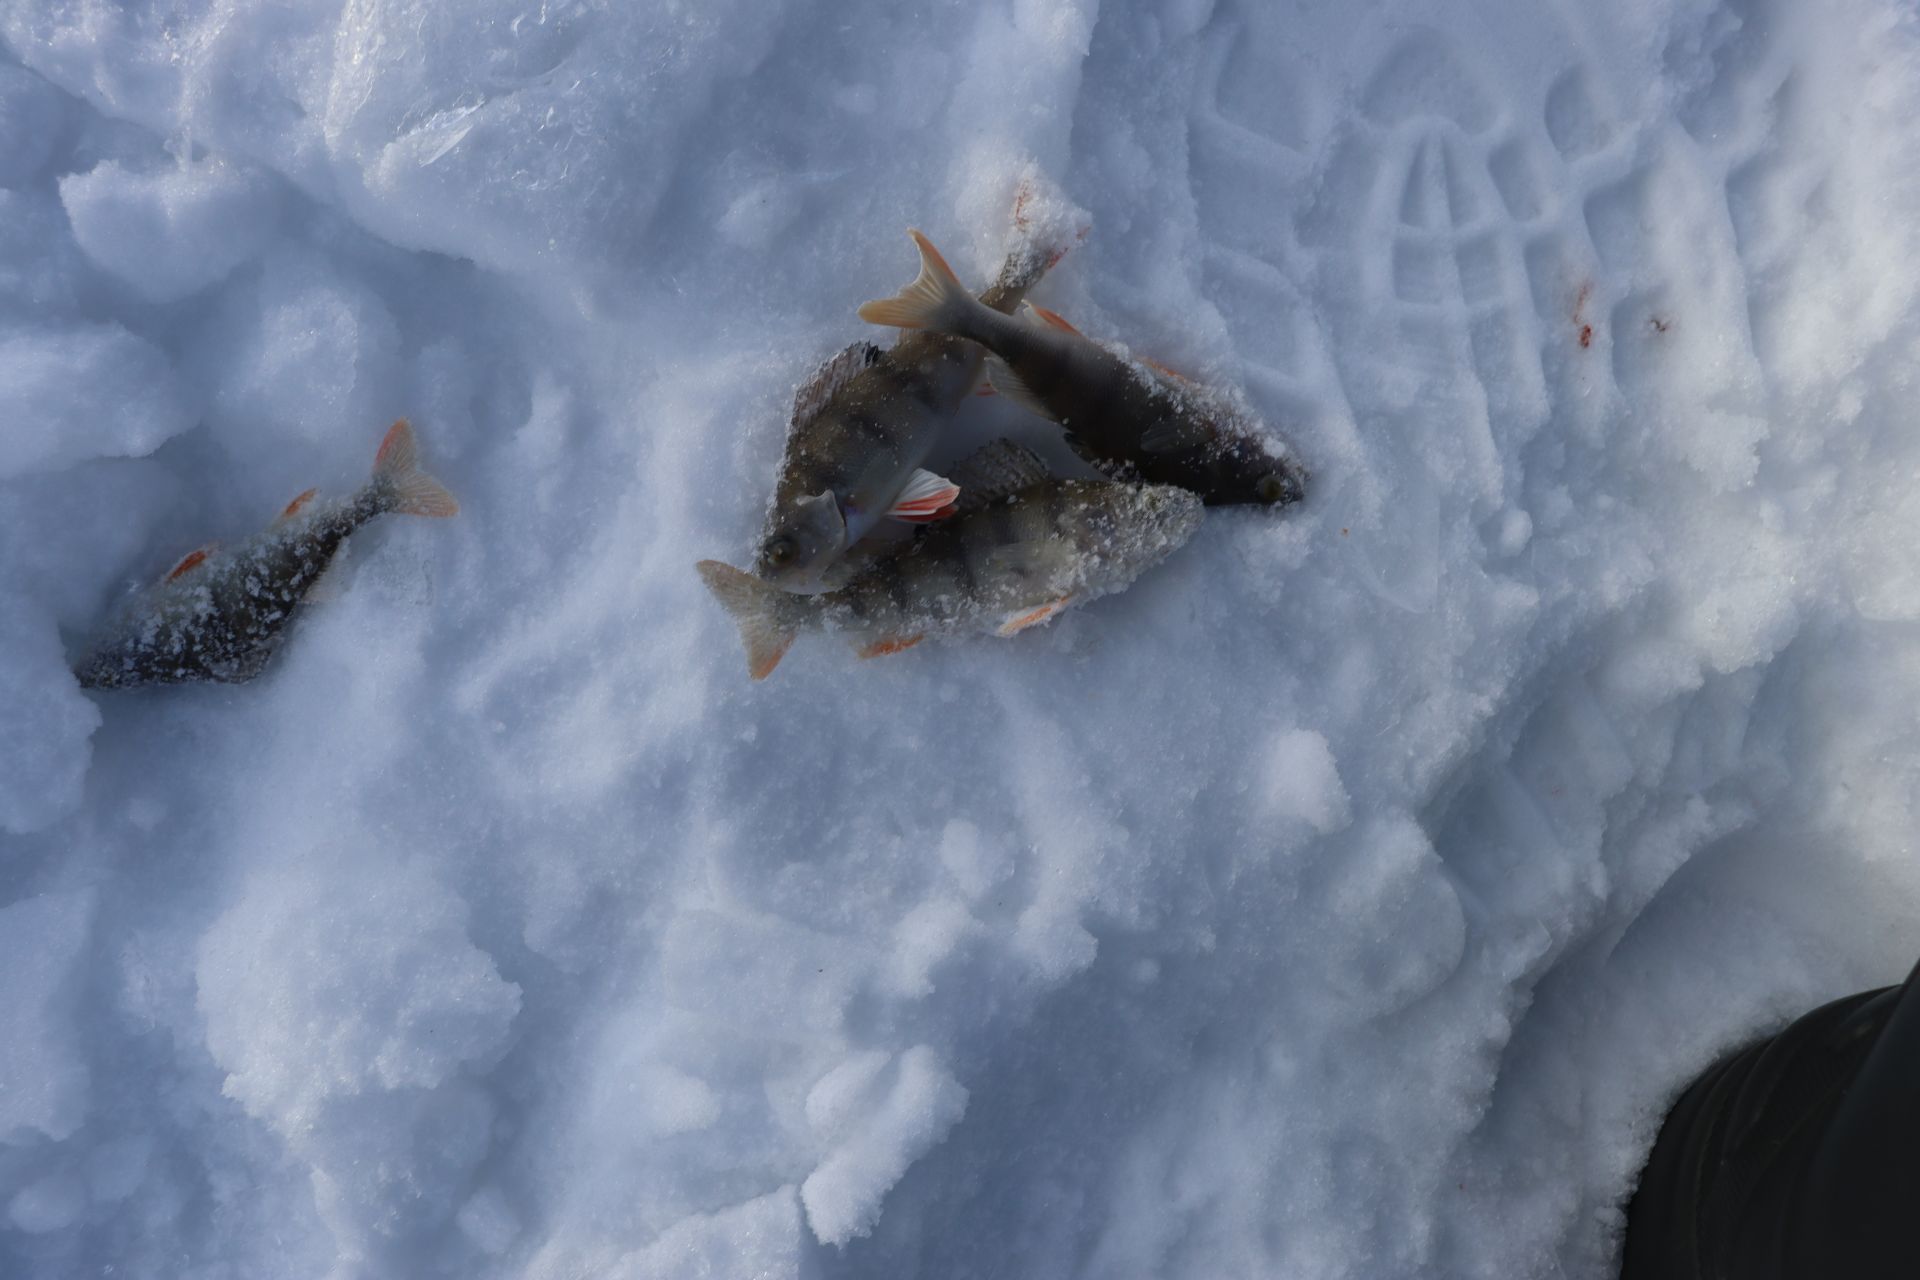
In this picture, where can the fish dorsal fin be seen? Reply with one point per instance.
(1053, 319)
(830, 377)
(191, 561)
(926, 498)
(997, 470)
(295, 507)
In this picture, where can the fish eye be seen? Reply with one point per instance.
(779, 551)
(1270, 489)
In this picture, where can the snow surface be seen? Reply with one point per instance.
(1347, 899)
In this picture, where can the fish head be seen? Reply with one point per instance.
(1246, 473)
(802, 544)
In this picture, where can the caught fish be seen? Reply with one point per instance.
(860, 429)
(1025, 546)
(220, 614)
(1130, 419)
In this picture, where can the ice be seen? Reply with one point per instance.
(84, 391)
(44, 1084)
(32, 118)
(1348, 898)
(905, 1121)
(173, 231)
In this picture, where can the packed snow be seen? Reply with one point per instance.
(1346, 899)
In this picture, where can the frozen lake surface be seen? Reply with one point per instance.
(1347, 899)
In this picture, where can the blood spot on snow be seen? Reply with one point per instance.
(1579, 313)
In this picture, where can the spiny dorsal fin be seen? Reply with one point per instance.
(829, 378)
(995, 471)
(191, 561)
(295, 507)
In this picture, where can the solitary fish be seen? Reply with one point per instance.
(221, 614)
(861, 427)
(1131, 419)
(1024, 547)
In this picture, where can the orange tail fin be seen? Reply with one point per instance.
(411, 491)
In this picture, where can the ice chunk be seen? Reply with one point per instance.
(50, 1204)
(346, 1006)
(45, 753)
(306, 350)
(40, 266)
(488, 1219)
(761, 1239)
(43, 1074)
(32, 117)
(843, 1195)
(317, 985)
(172, 231)
(1298, 780)
(86, 391)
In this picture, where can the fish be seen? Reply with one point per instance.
(860, 428)
(1130, 419)
(1025, 546)
(221, 613)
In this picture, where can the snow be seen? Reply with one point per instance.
(1348, 898)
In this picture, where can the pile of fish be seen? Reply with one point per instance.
(1004, 544)
(221, 613)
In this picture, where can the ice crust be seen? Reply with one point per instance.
(1348, 898)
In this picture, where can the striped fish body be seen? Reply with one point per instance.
(223, 619)
(223, 612)
(860, 429)
(875, 429)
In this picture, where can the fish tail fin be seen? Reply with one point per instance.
(935, 300)
(407, 489)
(756, 608)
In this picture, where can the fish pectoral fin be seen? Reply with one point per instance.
(1169, 435)
(190, 561)
(880, 646)
(295, 507)
(1018, 622)
(926, 498)
(1002, 378)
